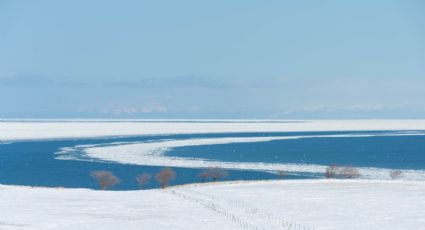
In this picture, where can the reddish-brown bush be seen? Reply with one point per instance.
(214, 173)
(331, 171)
(165, 176)
(105, 179)
(396, 174)
(204, 175)
(282, 174)
(143, 179)
(346, 172)
(217, 173)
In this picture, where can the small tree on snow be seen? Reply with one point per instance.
(165, 176)
(395, 174)
(105, 179)
(349, 172)
(216, 173)
(346, 172)
(204, 175)
(143, 179)
(282, 174)
(331, 171)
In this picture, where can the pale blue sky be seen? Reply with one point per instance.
(212, 59)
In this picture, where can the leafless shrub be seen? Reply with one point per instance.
(348, 172)
(105, 179)
(217, 173)
(214, 173)
(282, 174)
(204, 175)
(396, 174)
(165, 176)
(331, 171)
(142, 179)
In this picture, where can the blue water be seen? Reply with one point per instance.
(397, 152)
(33, 162)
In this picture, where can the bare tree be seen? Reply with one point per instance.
(346, 172)
(282, 174)
(204, 174)
(395, 174)
(331, 171)
(142, 179)
(216, 173)
(349, 172)
(165, 176)
(105, 179)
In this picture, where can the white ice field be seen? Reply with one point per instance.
(307, 204)
(47, 129)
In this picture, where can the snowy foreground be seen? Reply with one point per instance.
(47, 129)
(306, 204)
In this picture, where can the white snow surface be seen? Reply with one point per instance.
(45, 129)
(306, 204)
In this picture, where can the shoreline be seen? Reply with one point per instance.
(16, 131)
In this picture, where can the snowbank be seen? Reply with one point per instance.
(315, 204)
(15, 130)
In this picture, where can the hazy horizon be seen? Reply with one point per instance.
(212, 59)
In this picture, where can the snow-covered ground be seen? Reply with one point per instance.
(306, 204)
(15, 130)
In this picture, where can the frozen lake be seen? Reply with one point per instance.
(247, 156)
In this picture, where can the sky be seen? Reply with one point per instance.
(217, 59)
